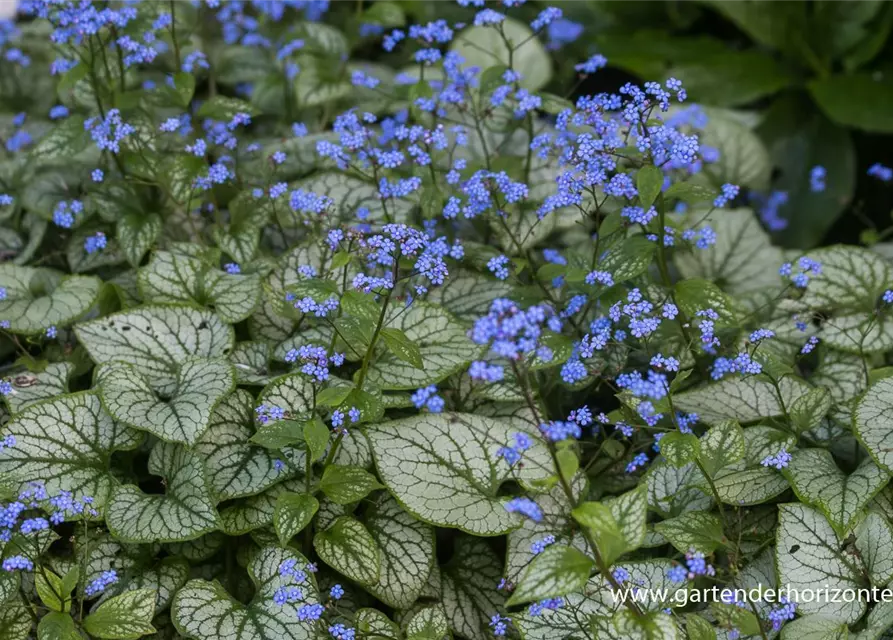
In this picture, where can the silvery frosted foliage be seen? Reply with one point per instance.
(338, 321)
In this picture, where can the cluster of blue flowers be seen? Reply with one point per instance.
(780, 460)
(314, 361)
(511, 334)
(695, 565)
(427, 398)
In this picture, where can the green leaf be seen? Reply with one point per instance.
(649, 180)
(557, 571)
(349, 548)
(817, 481)
(279, 434)
(407, 552)
(50, 591)
(344, 484)
(57, 626)
(333, 396)
(234, 466)
(163, 579)
(184, 512)
(874, 540)
(136, 233)
(858, 100)
(655, 625)
(205, 611)
(604, 529)
(482, 47)
(630, 259)
(808, 557)
(769, 24)
(176, 278)
(200, 386)
(127, 616)
(690, 192)
(224, 108)
(37, 299)
(427, 623)
(66, 445)
(808, 410)
(359, 305)
(442, 343)
(293, 513)
(679, 448)
(402, 347)
(721, 446)
(64, 141)
(156, 340)
(696, 294)
(800, 138)
(316, 435)
(459, 450)
(732, 78)
(697, 628)
(696, 530)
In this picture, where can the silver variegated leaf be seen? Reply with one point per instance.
(37, 299)
(809, 556)
(738, 261)
(874, 540)
(347, 546)
(872, 419)
(205, 611)
(742, 399)
(442, 341)
(467, 584)
(256, 511)
(65, 443)
(183, 417)
(818, 482)
(173, 277)
(163, 579)
(235, 466)
(672, 490)
(851, 278)
(407, 552)
(156, 340)
(30, 388)
(443, 468)
(184, 512)
(467, 295)
(293, 392)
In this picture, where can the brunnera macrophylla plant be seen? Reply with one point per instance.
(299, 345)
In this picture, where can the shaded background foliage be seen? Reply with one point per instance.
(815, 77)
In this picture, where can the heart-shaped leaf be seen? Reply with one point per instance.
(200, 385)
(184, 512)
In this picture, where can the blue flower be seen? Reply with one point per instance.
(526, 507)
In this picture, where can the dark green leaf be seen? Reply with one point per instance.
(402, 347)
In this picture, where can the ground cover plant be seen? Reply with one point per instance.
(351, 321)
